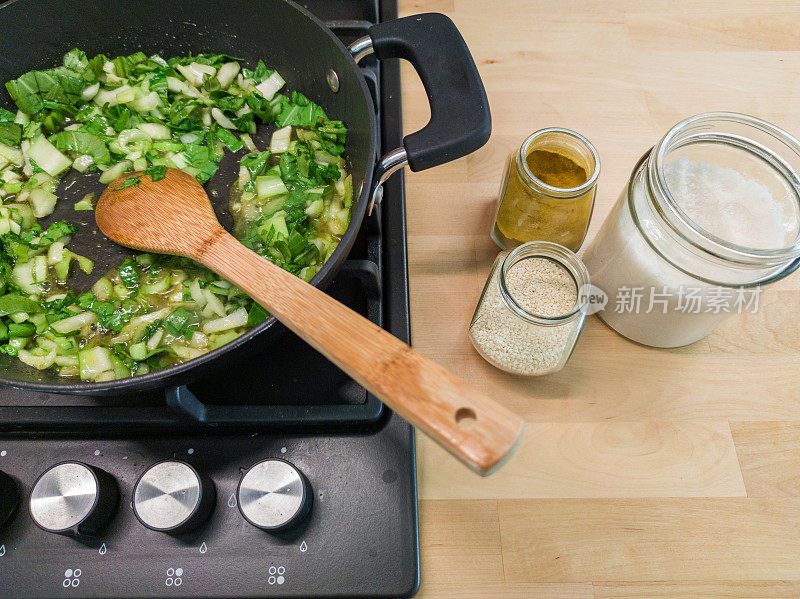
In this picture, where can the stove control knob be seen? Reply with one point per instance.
(173, 497)
(274, 495)
(9, 497)
(73, 498)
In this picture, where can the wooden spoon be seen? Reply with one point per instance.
(174, 216)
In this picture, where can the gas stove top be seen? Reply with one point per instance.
(291, 480)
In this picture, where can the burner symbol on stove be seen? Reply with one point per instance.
(276, 575)
(103, 549)
(232, 500)
(303, 547)
(2, 550)
(72, 578)
(203, 547)
(174, 577)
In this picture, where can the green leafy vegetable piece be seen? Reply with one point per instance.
(121, 316)
(129, 274)
(158, 82)
(10, 134)
(256, 315)
(75, 60)
(151, 329)
(11, 303)
(96, 64)
(228, 102)
(85, 300)
(182, 323)
(31, 90)
(132, 181)
(200, 157)
(121, 117)
(256, 164)
(55, 232)
(31, 130)
(97, 125)
(300, 112)
(125, 66)
(6, 116)
(107, 316)
(52, 317)
(83, 142)
(25, 93)
(22, 329)
(14, 345)
(260, 73)
(233, 143)
(156, 172)
(186, 114)
(60, 304)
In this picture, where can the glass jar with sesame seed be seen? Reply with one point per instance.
(532, 309)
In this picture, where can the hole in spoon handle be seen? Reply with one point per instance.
(465, 417)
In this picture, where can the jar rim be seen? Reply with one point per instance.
(562, 256)
(559, 192)
(788, 267)
(686, 227)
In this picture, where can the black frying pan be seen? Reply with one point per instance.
(36, 34)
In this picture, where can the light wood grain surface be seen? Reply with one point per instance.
(644, 473)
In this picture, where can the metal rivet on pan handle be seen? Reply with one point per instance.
(333, 80)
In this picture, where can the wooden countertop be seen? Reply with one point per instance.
(644, 472)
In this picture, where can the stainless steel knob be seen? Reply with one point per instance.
(173, 497)
(73, 498)
(9, 497)
(274, 495)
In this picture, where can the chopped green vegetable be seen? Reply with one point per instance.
(256, 315)
(229, 139)
(22, 329)
(156, 172)
(129, 182)
(146, 114)
(129, 274)
(10, 134)
(151, 329)
(85, 203)
(182, 323)
(47, 157)
(82, 142)
(12, 303)
(33, 90)
(14, 345)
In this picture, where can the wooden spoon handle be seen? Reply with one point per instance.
(476, 429)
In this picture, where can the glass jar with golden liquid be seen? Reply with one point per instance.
(548, 190)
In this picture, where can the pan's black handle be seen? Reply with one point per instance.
(460, 118)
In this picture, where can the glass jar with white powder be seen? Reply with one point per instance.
(532, 309)
(709, 216)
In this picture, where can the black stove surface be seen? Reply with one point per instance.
(360, 537)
